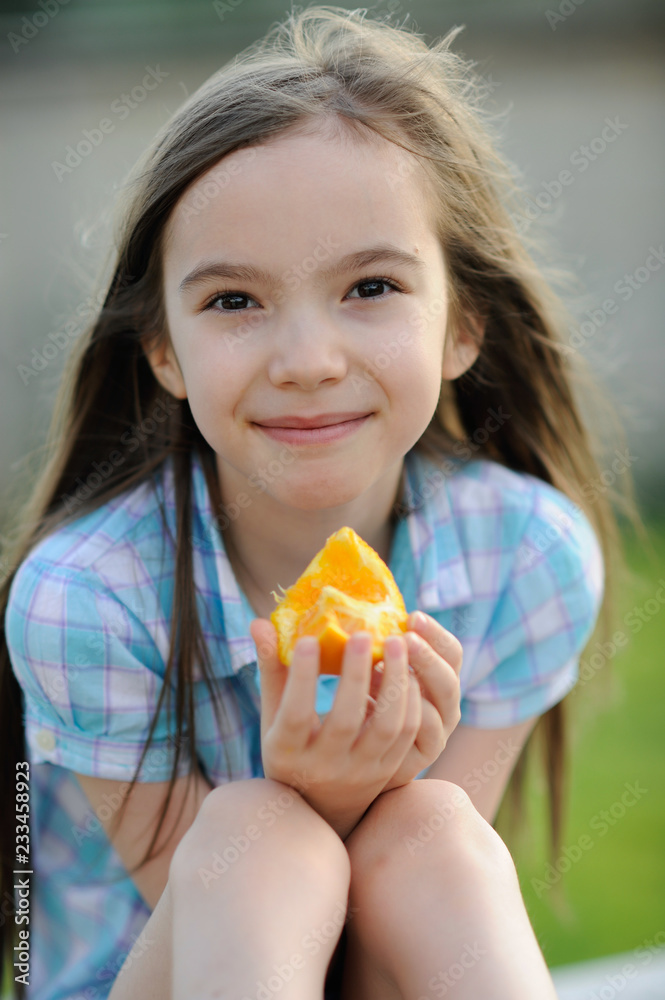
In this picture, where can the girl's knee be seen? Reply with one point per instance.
(260, 818)
(428, 821)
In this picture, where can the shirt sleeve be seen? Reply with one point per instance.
(91, 675)
(529, 657)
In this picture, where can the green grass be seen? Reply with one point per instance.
(612, 898)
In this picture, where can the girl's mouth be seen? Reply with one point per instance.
(314, 435)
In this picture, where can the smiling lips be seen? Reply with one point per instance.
(312, 430)
(321, 420)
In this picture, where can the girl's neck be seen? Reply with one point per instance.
(266, 552)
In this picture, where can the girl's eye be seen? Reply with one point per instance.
(231, 296)
(377, 281)
(234, 299)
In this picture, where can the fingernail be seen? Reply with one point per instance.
(308, 644)
(393, 645)
(360, 641)
(417, 619)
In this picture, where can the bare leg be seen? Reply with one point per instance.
(257, 892)
(439, 908)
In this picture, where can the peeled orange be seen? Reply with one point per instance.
(346, 588)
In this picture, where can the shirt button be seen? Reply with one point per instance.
(46, 740)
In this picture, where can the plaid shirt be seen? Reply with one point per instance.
(501, 559)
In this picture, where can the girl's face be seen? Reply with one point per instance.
(302, 281)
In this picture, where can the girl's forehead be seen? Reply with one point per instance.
(299, 184)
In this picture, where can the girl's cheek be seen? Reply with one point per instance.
(390, 349)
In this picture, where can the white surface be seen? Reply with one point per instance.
(634, 975)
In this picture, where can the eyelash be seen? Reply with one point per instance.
(372, 298)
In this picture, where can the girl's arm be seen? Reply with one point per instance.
(481, 761)
(137, 826)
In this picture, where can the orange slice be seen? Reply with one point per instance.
(346, 588)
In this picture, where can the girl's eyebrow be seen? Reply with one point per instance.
(356, 260)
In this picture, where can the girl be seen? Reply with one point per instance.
(322, 313)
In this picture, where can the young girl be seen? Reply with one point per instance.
(321, 314)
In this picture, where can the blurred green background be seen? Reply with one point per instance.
(605, 892)
(554, 79)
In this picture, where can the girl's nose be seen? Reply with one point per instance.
(307, 356)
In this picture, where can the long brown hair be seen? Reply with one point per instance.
(323, 65)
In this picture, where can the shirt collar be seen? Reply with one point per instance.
(434, 570)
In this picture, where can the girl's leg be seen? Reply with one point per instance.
(437, 904)
(254, 904)
(260, 890)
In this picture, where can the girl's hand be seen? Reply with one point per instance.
(436, 658)
(340, 766)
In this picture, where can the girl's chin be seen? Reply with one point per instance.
(320, 495)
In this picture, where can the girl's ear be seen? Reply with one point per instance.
(161, 358)
(458, 357)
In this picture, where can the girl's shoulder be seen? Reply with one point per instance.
(492, 507)
(483, 483)
(513, 568)
(130, 518)
(124, 531)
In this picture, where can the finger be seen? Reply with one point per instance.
(376, 679)
(273, 673)
(408, 735)
(431, 738)
(391, 702)
(347, 715)
(294, 719)
(442, 642)
(438, 681)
